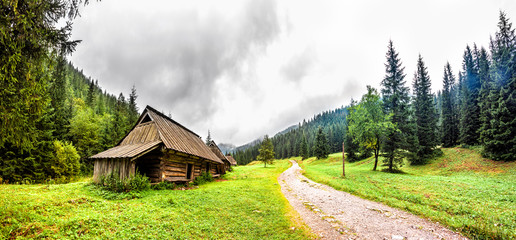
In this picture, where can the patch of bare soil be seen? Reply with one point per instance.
(333, 214)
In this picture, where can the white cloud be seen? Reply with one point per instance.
(247, 68)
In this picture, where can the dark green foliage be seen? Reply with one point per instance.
(426, 119)
(289, 142)
(266, 151)
(205, 177)
(112, 182)
(449, 129)
(304, 148)
(321, 145)
(368, 124)
(164, 186)
(396, 102)
(469, 109)
(499, 134)
(29, 39)
(133, 108)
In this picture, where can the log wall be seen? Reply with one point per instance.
(158, 166)
(104, 167)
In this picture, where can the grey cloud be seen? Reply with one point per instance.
(175, 59)
(299, 66)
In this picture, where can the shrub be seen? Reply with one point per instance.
(112, 182)
(204, 178)
(164, 186)
(65, 161)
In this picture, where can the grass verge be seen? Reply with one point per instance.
(247, 205)
(460, 189)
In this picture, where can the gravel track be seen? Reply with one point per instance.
(333, 214)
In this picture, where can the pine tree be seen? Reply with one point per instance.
(500, 138)
(486, 100)
(469, 121)
(449, 124)
(321, 145)
(396, 102)
(304, 148)
(133, 108)
(208, 138)
(266, 151)
(60, 114)
(29, 40)
(424, 113)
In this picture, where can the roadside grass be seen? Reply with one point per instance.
(460, 189)
(247, 204)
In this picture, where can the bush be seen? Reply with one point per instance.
(164, 186)
(112, 182)
(204, 178)
(65, 161)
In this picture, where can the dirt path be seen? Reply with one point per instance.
(333, 214)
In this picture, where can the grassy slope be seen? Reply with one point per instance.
(247, 206)
(462, 190)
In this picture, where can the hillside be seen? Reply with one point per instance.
(80, 118)
(287, 142)
(460, 189)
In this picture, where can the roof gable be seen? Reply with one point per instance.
(153, 128)
(179, 138)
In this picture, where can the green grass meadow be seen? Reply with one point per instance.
(460, 189)
(248, 204)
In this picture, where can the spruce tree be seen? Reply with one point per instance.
(133, 108)
(304, 148)
(500, 141)
(266, 151)
(396, 103)
(424, 113)
(449, 126)
(486, 100)
(208, 138)
(321, 145)
(469, 121)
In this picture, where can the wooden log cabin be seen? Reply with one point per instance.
(160, 148)
(231, 160)
(215, 149)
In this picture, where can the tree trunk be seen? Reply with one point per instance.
(375, 158)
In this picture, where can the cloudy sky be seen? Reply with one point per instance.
(242, 69)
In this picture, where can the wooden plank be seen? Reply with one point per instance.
(176, 179)
(174, 174)
(175, 169)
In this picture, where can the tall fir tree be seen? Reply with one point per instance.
(424, 113)
(500, 143)
(304, 148)
(486, 100)
(396, 103)
(321, 145)
(133, 108)
(351, 147)
(449, 126)
(208, 138)
(469, 120)
(266, 151)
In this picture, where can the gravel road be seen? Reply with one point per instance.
(333, 214)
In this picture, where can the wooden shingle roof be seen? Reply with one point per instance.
(215, 149)
(153, 126)
(231, 160)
